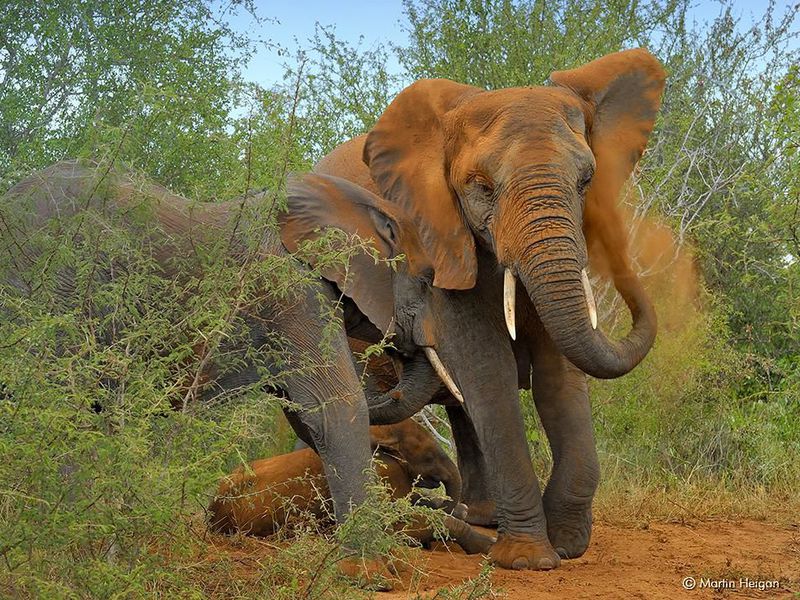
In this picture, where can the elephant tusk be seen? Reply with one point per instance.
(587, 289)
(437, 365)
(509, 297)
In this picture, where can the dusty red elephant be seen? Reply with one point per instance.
(518, 185)
(275, 490)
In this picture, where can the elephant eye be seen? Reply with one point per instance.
(426, 276)
(585, 179)
(482, 184)
(390, 233)
(485, 188)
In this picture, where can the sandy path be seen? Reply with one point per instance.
(649, 562)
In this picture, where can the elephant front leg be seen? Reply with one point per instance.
(522, 540)
(473, 345)
(476, 492)
(561, 394)
(329, 409)
(491, 399)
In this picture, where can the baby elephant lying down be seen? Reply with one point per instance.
(260, 501)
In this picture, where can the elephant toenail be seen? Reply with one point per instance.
(520, 563)
(562, 552)
(545, 564)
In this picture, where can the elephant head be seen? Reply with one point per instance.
(394, 300)
(421, 456)
(532, 174)
(317, 202)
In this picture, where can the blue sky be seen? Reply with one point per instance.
(378, 21)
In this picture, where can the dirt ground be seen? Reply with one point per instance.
(724, 558)
(721, 558)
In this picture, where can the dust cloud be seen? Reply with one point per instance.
(621, 240)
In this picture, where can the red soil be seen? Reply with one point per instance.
(649, 562)
(646, 563)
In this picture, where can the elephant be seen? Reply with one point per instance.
(379, 375)
(427, 464)
(511, 185)
(328, 406)
(261, 499)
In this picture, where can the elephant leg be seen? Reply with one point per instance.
(475, 491)
(329, 408)
(560, 391)
(522, 541)
(483, 366)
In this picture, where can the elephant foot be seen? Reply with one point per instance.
(482, 512)
(372, 574)
(451, 507)
(569, 527)
(520, 551)
(459, 510)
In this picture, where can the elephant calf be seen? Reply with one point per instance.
(275, 490)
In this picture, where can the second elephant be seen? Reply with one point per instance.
(74, 205)
(269, 493)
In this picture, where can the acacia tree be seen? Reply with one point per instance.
(502, 43)
(95, 464)
(152, 81)
(344, 89)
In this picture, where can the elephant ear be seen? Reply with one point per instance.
(623, 92)
(406, 155)
(386, 439)
(316, 202)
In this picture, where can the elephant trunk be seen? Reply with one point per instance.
(551, 265)
(416, 388)
(452, 481)
(470, 540)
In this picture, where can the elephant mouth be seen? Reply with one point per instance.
(429, 483)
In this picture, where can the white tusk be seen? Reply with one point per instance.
(509, 297)
(587, 289)
(442, 373)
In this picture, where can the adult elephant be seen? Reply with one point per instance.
(79, 202)
(521, 184)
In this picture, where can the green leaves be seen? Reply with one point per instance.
(502, 43)
(149, 82)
